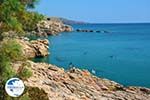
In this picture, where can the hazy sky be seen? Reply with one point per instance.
(98, 11)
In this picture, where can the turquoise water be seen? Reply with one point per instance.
(122, 55)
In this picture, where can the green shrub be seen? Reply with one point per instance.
(25, 73)
(9, 51)
(37, 94)
(24, 97)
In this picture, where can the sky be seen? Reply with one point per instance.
(97, 11)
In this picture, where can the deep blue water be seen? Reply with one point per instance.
(122, 55)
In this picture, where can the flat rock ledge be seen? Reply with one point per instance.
(76, 84)
(34, 48)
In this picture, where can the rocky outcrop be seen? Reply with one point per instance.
(52, 27)
(34, 48)
(88, 30)
(76, 84)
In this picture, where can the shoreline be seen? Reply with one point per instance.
(77, 84)
(85, 30)
(51, 82)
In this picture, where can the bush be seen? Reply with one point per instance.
(25, 73)
(9, 51)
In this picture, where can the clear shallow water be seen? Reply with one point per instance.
(122, 55)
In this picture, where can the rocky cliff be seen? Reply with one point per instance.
(50, 82)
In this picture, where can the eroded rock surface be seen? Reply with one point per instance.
(34, 48)
(52, 27)
(76, 84)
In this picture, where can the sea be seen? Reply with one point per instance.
(121, 54)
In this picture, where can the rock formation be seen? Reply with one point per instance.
(52, 26)
(89, 30)
(76, 84)
(34, 48)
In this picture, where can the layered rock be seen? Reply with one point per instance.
(34, 48)
(76, 84)
(52, 26)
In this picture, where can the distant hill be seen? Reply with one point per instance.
(67, 21)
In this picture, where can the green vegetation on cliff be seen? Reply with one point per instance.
(15, 19)
(10, 51)
(15, 16)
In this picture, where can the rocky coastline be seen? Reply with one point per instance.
(20, 24)
(51, 26)
(49, 82)
(55, 83)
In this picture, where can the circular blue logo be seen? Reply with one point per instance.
(14, 87)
